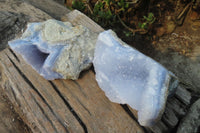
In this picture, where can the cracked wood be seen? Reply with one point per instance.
(62, 105)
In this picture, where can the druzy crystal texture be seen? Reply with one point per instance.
(56, 49)
(129, 77)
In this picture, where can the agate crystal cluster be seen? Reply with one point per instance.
(129, 77)
(60, 50)
(56, 49)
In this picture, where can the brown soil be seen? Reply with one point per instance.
(184, 40)
(178, 51)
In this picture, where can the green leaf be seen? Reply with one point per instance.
(127, 5)
(119, 3)
(79, 5)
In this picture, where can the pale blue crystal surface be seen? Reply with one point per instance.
(129, 77)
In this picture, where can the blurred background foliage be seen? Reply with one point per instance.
(153, 18)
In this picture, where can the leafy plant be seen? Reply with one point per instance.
(103, 14)
(79, 5)
(148, 20)
(128, 33)
(114, 14)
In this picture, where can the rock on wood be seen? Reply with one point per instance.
(66, 105)
(61, 105)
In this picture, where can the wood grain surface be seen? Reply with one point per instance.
(61, 106)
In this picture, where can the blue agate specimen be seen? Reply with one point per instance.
(129, 77)
(56, 49)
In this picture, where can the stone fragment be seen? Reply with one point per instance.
(56, 49)
(160, 127)
(129, 77)
(183, 95)
(170, 118)
(178, 107)
(191, 122)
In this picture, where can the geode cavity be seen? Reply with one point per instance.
(56, 49)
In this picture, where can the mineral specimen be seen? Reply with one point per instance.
(56, 49)
(129, 77)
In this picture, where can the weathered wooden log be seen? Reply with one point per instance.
(61, 105)
(62, 2)
(72, 106)
(50, 7)
(10, 25)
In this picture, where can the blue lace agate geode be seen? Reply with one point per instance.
(56, 49)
